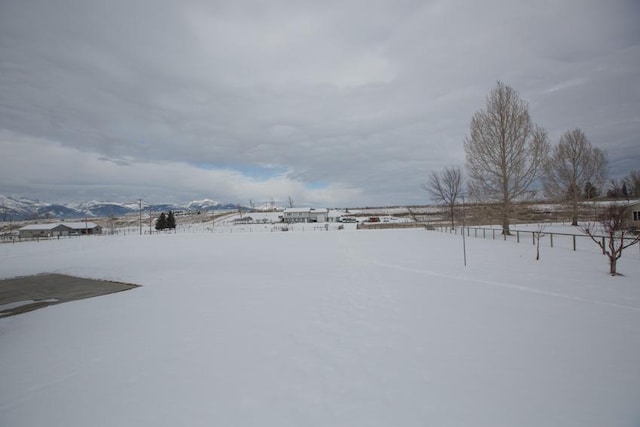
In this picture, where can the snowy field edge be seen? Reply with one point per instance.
(340, 328)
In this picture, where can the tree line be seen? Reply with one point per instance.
(507, 153)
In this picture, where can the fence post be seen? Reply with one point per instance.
(574, 242)
(494, 234)
(551, 238)
(483, 233)
(533, 236)
(468, 231)
(604, 252)
(475, 232)
(518, 236)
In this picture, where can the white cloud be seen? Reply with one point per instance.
(365, 97)
(74, 175)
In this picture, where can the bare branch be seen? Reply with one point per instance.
(573, 166)
(444, 187)
(505, 151)
(611, 235)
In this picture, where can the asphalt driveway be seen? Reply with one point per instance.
(23, 294)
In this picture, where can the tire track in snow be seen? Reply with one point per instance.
(505, 286)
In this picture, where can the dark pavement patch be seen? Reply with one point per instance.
(23, 294)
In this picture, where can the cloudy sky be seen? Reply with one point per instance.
(333, 103)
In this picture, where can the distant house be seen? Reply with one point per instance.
(86, 227)
(58, 229)
(44, 230)
(633, 216)
(291, 215)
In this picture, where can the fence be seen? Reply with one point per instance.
(387, 225)
(556, 239)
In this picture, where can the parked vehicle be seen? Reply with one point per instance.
(348, 219)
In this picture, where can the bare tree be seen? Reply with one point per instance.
(290, 201)
(505, 151)
(633, 183)
(611, 234)
(573, 164)
(444, 187)
(615, 190)
(537, 235)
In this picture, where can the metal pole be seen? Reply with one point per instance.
(140, 212)
(464, 243)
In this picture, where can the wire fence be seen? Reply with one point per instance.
(555, 239)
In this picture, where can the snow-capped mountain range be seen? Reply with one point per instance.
(18, 208)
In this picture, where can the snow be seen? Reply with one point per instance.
(18, 304)
(335, 328)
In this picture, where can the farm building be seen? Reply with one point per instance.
(84, 227)
(305, 215)
(633, 215)
(59, 229)
(44, 230)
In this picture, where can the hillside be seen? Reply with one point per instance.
(19, 209)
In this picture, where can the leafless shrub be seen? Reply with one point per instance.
(610, 233)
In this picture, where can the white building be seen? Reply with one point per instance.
(59, 229)
(633, 216)
(305, 215)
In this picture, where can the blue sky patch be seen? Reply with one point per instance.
(261, 173)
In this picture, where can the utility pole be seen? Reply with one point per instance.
(150, 220)
(140, 211)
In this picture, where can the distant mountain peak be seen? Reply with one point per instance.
(19, 208)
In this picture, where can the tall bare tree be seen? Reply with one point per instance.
(505, 150)
(633, 183)
(573, 164)
(611, 234)
(444, 187)
(616, 189)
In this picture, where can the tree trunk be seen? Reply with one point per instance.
(574, 210)
(612, 265)
(613, 253)
(453, 224)
(505, 219)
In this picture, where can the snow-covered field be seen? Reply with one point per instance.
(337, 328)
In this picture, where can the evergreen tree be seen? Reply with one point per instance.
(171, 221)
(590, 191)
(161, 222)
